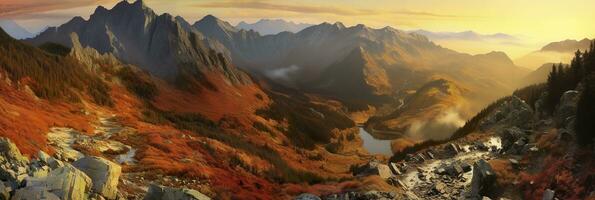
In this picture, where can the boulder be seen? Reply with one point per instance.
(157, 192)
(567, 107)
(307, 196)
(68, 183)
(452, 148)
(512, 112)
(395, 168)
(29, 193)
(5, 190)
(483, 178)
(103, 173)
(548, 194)
(49, 160)
(454, 169)
(374, 168)
(511, 135)
(10, 152)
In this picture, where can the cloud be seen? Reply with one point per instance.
(26, 8)
(439, 128)
(310, 9)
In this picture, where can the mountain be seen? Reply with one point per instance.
(567, 46)
(554, 52)
(161, 44)
(273, 26)
(388, 59)
(465, 35)
(15, 30)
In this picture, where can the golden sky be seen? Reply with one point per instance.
(534, 22)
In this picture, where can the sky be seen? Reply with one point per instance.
(534, 22)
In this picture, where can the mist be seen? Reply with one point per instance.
(438, 128)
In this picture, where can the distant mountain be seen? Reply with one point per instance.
(164, 45)
(567, 45)
(15, 30)
(381, 61)
(554, 52)
(273, 26)
(466, 35)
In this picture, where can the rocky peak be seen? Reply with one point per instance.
(213, 23)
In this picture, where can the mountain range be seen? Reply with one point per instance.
(554, 52)
(465, 35)
(15, 30)
(273, 26)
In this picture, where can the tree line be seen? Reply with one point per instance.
(580, 75)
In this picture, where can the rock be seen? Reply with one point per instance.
(29, 193)
(48, 160)
(483, 179)
(103, 173)
(485, 198)
(40, 172)
(374, 168)
(515, 163)
(454, 169)
(167, 193)
(567, 107)
(396, 182)
(466, 167)
(439, 188)
(10, 152)
(512, 112)
(5, 190)
(510, 135)
(68, 183)
(548, 194)
(430, 155)
(452, 148)
(395, 168)
(307, 196)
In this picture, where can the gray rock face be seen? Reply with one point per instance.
(166, 193)
(374, 168)
(567, 107)
(162, 45)
(68, 183)
(307, 196)
(513, 112)
(29, 193)
(103, 173)
(483, 179)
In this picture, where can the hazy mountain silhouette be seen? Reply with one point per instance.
(273, 26)
(15, 30)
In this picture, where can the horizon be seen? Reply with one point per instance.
(412, 15)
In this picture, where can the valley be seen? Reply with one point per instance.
(131, 103)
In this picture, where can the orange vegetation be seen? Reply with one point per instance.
(237, 101)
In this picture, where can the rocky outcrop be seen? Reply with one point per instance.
(68, 183)
(374, 168)
(566, 109)
(166, 193)
(13, 165)
(483, 179)
(512, 112)
(103, 173)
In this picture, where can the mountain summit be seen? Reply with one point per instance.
(273, 26)
(161, 44)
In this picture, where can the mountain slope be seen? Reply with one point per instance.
(273, 26)
(554, 52)
(15, 30)
(310, 59)
(163, 45)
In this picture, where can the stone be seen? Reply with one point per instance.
(483, 178)
(69, 183)
(452, 148)
(567, 107)
(512, 112)
(395, 168)
(548, 194)
(307, 196)
(454, 169)
(10, 151)
(49, 160)
(30, 193)
(167, 193)
(374, 168)
(439, 188)
(5, 190)
(103, 173)
(466, 167)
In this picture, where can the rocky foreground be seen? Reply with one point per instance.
(511, 135)
(72, 175)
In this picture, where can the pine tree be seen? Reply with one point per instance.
(585, 117)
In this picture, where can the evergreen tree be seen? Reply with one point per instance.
(585, 116)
